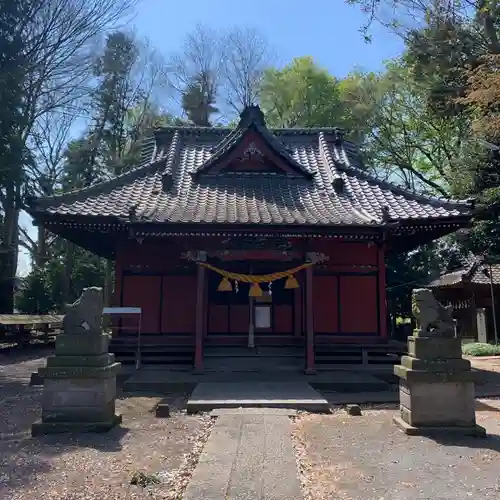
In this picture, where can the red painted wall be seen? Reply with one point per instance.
(358, 304)
(150, 256)
(283, 319)
(143, 292)
(325, 304)
(167, 302)
(178, 304)
(358, 308)
(176, 295)
(346, 256)
(239, 317)
(218, 317)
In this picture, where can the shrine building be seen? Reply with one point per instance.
(251, 237)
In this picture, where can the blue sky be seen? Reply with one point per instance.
(327, 30)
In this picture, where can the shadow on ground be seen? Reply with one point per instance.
(490, 442)
(10, 355)
(487, 376)
(23, 457)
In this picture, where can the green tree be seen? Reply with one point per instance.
(406, 271)
(406, 142)
(198, 100)
(35, 295)
(482, 97)
(123, 101)
(13, 153)
(301, 95)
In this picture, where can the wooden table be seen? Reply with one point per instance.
(23, 324)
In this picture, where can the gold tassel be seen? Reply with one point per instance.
(255, 290)
(291, 282)
(225, 286)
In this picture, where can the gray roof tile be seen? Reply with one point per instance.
(476, 272)
(196, 196)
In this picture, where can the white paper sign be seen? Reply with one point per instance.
(262, 317)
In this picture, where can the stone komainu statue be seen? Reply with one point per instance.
(433, 319)
(85, 314)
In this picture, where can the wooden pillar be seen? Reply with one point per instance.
(206, 305)
(382, 293)
(200, 308)
(297, 308)
(310, 365)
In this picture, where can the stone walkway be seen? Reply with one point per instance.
(249, 455)
(297, 395)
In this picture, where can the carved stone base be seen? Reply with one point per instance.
(436, 389)
(434, 348)
(437, 403)
(79, 397)
(40, 428)
(81, 344)
(439, 430)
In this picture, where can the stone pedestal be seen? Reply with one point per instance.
(79, 389)
(436, 389)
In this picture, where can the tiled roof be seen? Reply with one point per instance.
(174, 184)
(476, 273)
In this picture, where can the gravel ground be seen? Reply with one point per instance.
(369, 458)
(489, 365)
(93, 466)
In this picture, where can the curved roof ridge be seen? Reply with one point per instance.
(99, 187)
(251, 119)
(228, 130)
(173, 152)
(327, 156)
(347, 166)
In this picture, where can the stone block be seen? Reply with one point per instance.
(354, 410)
(434, 404)
(81, 344)
(100, 360)
(40, 428)
(439, 430)
(70, 372)
(436, 365)
(162, 410)
(434, 348)
(79, 414)
(78, 392)
(77, 405)
(36, 379)
(436, 377)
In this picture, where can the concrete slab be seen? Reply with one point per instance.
(280, 412)
(247, 457)
(296, 395)
(153, 379)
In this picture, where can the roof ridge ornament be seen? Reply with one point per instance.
(252, 114)
(252, 122)
(338, 136)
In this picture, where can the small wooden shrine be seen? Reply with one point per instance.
(474, 293)
(251, 236)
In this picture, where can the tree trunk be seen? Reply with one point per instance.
(66, 278)
(9, 239)
(41, 250)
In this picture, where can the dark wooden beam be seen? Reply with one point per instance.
(200, 316)
(310, 361)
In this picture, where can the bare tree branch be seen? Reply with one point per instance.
(246, 55)
(58, 37)
(201, 54)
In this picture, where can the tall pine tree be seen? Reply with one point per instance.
(13, 154)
